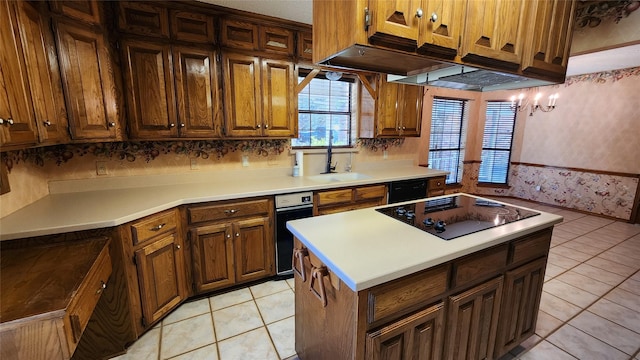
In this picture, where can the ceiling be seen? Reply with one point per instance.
(301, 11)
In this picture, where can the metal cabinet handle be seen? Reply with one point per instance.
(228, 236)
(112, 124)
(1, 121)
(266, 126)
(318, 273)
(178, 247)
(182, 125)
(101, 288)
(258, 126)
(171, 125)
(404, 128)
(158, 227)
(299, 254)
(47, 123)
(419, 13)
(237, 234)
(434, 17)
(231, 211)
(10, 121)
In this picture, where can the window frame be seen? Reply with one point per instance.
(506, 103)
(353, 109)
(463, 119)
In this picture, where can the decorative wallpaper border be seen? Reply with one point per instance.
(145, 150)
(380, 144)
(603, 77)
(604, 194)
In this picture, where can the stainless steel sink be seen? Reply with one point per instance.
(338, 177)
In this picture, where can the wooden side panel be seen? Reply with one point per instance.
(149, 90)
(38, 340)
(280, 103)
(480, 265)
(88, 83)
(242, 99)
(213, 262)
(198, 93)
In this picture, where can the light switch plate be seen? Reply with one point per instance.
(101, 168)
(245, 160)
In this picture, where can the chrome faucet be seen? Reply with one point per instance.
(330, 168)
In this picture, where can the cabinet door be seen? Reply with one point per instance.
(88, 82)
(84, 10)
(410, 112)
(44, 74)
(440, 38)
(387, 109)
(416, 337)
(522, 292)
(242, 98)
(253, 248)
(280, 101)
(395, 24)
(212, 250)
(149, 90)
(16, 113)
(472, 322)
(198, 93)
(160, 276)
(494, 33)
(549, 35)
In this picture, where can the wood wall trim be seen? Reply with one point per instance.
(602, 172)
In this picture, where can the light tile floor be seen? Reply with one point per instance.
(590, 307)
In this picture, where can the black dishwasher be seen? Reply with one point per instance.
(406, 190)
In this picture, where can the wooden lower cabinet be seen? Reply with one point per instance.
(232, 242)
(472, 321)
(351, 198)
(521, 300)
(418, 336)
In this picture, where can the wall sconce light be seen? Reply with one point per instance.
(523, 103)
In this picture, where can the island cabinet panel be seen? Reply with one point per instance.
(521, 300)
(479, 266)
(472, 321)
(418, 336)
(232, 242)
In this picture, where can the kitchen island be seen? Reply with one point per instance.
(370, 286)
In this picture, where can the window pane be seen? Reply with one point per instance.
(448, 120)
(496, 142)
(325, 105)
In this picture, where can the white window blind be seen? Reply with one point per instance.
(448, 134)
(496, 142)
(324, 109)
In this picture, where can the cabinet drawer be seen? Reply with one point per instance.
(370, 192)
(153, 225)
(143, 19)
(84, 302)
(277, 40)
(531, 247)
(437, 183)
(189, 26)
(239, 34)
(228, 210)
(480, 265)
(334, 197)
(402, 296)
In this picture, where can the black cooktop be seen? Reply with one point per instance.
(455, 216)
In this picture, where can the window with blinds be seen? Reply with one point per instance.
(496, 142)
(325, 111)
(447, 139)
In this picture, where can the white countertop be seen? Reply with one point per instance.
(365, 248)
(98, 203)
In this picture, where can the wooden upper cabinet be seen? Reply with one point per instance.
(280, 102)
(242, 100)
(441, 28)
(305, 45)
(398, 110)
(395, 23)
(387, 105)
(83, 10)
(143, 19)
(276, 40)
(88, 82)
(549, 31)
(198, 92)
(149, 90)
(494, 33)
(239, 34)
(44, 75)
(192, 27)
(16, 113)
